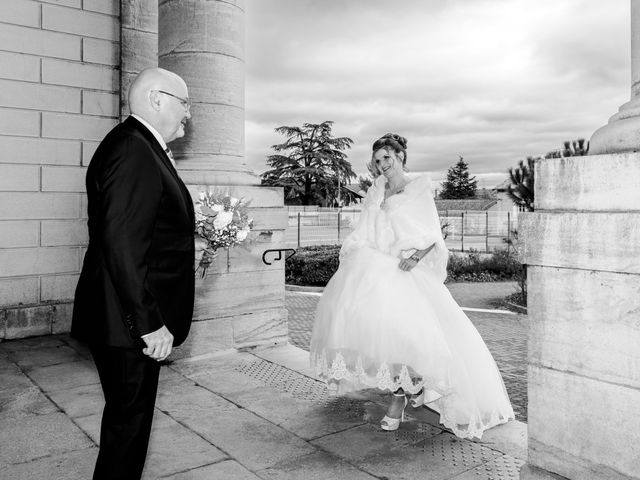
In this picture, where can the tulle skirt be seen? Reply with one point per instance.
(378, 326)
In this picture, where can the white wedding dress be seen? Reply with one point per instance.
(379, 326)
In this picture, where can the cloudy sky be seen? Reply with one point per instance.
(490, 80)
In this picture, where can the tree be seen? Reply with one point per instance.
(458, 183)
(574, 148)
(521, 190)
(310, 164)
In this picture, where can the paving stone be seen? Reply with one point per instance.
(33, 343)
(27, 438)
(64, 375)
(167, 446)
(363, 441)
(45, 356)
(251, 440)
(12, 378)
(78, 346)
(227, 470)
(209, 364)
(79, 401)
(509, 438)
(316, 466)
(90, 425)
(438, 458)
(228, 383)
(500, 468)
(288, 356)
(306, 419)
(21, 402)
(77, 465)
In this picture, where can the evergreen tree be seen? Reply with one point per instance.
(310, 164)
(458, 183)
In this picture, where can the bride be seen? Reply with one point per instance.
(387, 321)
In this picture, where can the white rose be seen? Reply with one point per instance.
(218, 208)
(222, 220)
(233, 201)
(242, 234)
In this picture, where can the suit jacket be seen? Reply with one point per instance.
(138, 272)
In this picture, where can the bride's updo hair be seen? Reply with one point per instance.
(390, 142)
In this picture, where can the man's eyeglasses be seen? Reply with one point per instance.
(186, 102)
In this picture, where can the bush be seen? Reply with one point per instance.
(314, 266)
(477, 267)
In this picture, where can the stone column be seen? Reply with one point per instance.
(622, 133)
(241, 301)
(139, 43)
(203, 41)
(582, 245)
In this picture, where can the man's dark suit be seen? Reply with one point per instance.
(137, 276)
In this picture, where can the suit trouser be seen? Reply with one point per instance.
(129, 382)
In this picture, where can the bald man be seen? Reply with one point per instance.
(134, 299)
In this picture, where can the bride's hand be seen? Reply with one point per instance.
(408, 264)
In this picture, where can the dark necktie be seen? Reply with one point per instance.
(170, 155)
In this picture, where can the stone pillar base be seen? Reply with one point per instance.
(619, 136)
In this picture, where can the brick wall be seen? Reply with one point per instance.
(59, 84)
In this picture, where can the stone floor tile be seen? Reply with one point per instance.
(21, 402)
(174, 448)
(44, 341)
(509, 438)
(253, 441)
(316, 466)
(228, 383)
(79, 401)
(363, 441)
(80, 347)
(76, 465)
(27, 438)
(209, 364)
(64, 375)
(12, 378)
(438, 458)
(289, 356)
(45, 356)
(304, 418)
(227, 470)
(90, 425)
(500, 468)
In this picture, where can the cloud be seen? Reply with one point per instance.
(491, 80)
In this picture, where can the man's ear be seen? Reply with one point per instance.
(154, 100)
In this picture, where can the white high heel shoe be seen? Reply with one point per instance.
(390, 424)
(417, 401)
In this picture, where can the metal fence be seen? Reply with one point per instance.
(481, 231)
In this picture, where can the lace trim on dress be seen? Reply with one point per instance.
(385, 380)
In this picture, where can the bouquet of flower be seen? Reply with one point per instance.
(222, 221)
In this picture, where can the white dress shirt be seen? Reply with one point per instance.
(157, 136)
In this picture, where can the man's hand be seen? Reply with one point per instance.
(159, 344)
